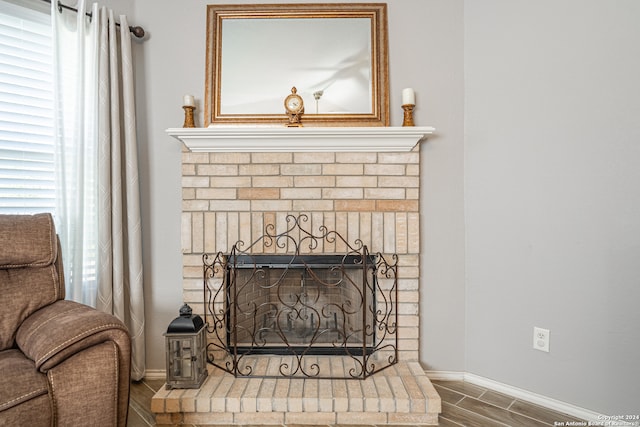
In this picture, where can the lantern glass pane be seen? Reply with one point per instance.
(175, 356)
(186, 358)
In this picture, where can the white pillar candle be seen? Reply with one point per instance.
(408, 96)
(189, 101)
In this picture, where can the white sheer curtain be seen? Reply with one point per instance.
(75, 130)
(98, 197)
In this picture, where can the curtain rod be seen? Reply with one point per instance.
(136, 31)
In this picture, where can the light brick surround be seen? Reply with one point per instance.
(371, 196)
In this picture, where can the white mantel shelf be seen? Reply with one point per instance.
(303, 139)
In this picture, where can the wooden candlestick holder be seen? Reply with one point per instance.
(188, 117)
(408, 115)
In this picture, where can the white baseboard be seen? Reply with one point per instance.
(155, 374)
(445, 375)
(518, 393)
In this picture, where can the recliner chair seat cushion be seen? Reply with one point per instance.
(26, 382)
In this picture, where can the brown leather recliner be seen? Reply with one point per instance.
(61, 363)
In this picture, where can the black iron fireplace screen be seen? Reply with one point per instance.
(314, 304)
(301, 306)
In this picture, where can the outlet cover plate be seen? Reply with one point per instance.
(541, 339)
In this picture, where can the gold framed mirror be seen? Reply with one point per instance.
(334, 54)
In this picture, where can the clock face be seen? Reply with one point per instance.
(293, 104)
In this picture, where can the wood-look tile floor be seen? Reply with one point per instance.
(463, 404)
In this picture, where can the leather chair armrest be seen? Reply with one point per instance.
(62, 329)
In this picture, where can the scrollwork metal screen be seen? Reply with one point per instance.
(298, 313)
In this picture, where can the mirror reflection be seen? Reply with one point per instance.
(327, 60)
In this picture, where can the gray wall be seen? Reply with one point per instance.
(552, 200)
(535, 105)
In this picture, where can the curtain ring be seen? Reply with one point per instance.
(59, 6)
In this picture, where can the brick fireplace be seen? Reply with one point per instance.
(368, 190)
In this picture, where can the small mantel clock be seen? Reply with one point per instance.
(294, 108)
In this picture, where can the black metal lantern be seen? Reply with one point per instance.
(186, 350)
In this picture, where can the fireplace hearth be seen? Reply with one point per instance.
(299, 306)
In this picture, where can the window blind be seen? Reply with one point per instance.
(27, 177)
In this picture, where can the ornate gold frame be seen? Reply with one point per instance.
(377, 12)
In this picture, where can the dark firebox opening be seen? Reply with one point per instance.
(301, 305)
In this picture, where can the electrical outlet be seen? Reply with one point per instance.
(541, 339)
